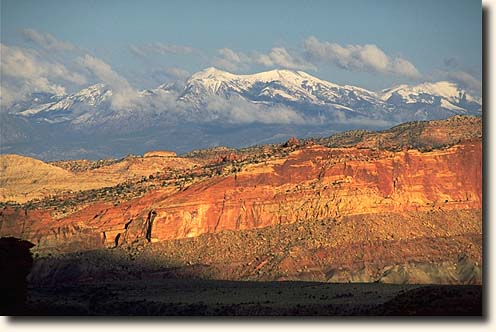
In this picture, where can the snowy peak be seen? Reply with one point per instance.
(93, 95)
(277, 85)
(211, 75)
(307, 96)
(71, 106)
(288, 77)
(210, 80)
(444, 95)
(447, 93)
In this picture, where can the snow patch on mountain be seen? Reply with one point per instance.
(92, 96)
(216, 95)
(424, 92)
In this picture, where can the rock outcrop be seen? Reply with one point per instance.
(311, 183)
(159, 154)
(376, 201)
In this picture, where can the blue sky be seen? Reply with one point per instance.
(373, 44)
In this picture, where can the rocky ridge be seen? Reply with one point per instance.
(376, 193)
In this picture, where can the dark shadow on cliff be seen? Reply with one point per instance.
(15, 263)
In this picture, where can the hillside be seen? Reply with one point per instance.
(402, 205)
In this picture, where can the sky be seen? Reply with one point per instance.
(60, 46)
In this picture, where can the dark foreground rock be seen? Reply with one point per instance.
(15, 264)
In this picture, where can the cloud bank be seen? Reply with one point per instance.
(240, 111)
(25, 71)
(278, 57)
(46, 41)
(123, 95)
(367, 57)
(161, 48)
(463, 79)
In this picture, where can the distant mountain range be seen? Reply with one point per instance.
(214, 107)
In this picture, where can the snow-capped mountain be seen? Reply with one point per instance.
(431, 96)
(65, 108)
(293, 88)
(93, 105)
(309, 97)
(214, 107)
(285, 84)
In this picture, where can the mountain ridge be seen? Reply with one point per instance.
(212, 108)
(287, 85)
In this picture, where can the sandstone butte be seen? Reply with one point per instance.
(160, 154)
(312, 182)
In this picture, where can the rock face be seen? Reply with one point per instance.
(377, 202)
(160, 154)
(311, 183)
(318, 183)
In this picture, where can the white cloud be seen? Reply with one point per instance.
(123, 95)
(46, 40)
(137, 51)
(161, 75)
(231, 60)
(24, 72)
(463, 79)
(162, 102)
(240, 111)
(280, 57)
(161, 48)
(367, 57)
(405, 68)
(235, 110)
(276, 57)
(176, 73)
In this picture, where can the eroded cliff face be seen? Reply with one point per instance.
(312, 183)
(355, 213)
(317, 183)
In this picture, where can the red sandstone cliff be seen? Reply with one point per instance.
(398, 215)
(311, 183)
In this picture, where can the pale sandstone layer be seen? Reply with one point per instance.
(165, 154)
(23, 179)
